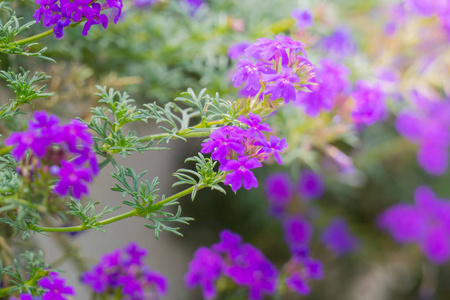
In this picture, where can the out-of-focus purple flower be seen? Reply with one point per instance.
(250, 73)
(229, 244)
(297, 231)
(55, 287)
(204, 269)
(370, 105)
(255, 126)
(300, 269)
(338, 238)
(339, 43)
(48, 7)
(331, 80)
(430, 7)
(303, 17)
(236, 51)
(297, 284)
(310, 185)
(125, 270)
(428, 126)
(73, 181)
(278, 191)
(426, 223)
(113, 4)
(281, 85)
(240, 172)
(275, 49)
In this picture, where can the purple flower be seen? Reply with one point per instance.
(22, 141)
(278, 191)
(297, 231)
(275, 146)
(48, 7)
(426, 223)
(73, 180)
(339, 43)
(370, 105)
(283, 87)
(204, 269)
(73, 134)
(78, 8)
(229, 244)
(428, 126)
(303, 17)
(236, 51)
(222, 140)
(297, 284)
(94, 17)
(338, 238)
(254, 122)
(55, 287)
(275, 49)
(117, 4)
(310, 185)
(250, 73)
(61, 20)
(194, 5)
(240, 172)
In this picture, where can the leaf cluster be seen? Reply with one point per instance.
(204, 175)
(87, 213)
(144, 196)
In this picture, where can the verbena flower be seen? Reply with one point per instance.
(310, 185)
(240, 172)
(250, 73)
(297, 231)
(340, 43)
(273, 147)
(204, 269)
(276, 50)
(281, 85)
(63, 151)
(254, 123)
(429, 127)
(370, 106)
(338, 238)
(426, 223)
(124, 270)
(236, 51)
(55, 287)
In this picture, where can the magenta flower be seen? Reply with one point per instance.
(117, 4)
(94, 17)
(283, 85)
(240, 172)
(370, 105)
(338, 238)
(222, 140)
(204, 269)
(79, 8)
(255, 126)
(426, 223)
(73, 181)
(297, 231)
(275, 146)
(236, 51)
(296, 283)
(275, 49)
(56, 288)
(250, 73)
(48, 7)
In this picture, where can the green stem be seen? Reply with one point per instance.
(128, 214)
(161, 203)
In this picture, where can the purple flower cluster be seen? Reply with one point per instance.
(55, 288)
(240, 150)
(244, 264)
(124, 270)
(331, 81)
(279, 190)
(426, 223)
(275, 63)
(62, 13)
(63, 151)
(303, 18)
(428, 126)
(370, 103)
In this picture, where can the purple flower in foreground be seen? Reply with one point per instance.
(236, 51)
(310, 185)
(426, 223)
(27, 297)
(222, 141)
(56, 288)
(204, 269)
(303, 17)
(254, 122)
(370, 105)
(78, 8)
(241, 173)
(338, 238)
(283, 85)
(275, 146)
(275, 49)
(94, 17)
(250, 73)
(48, 7)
